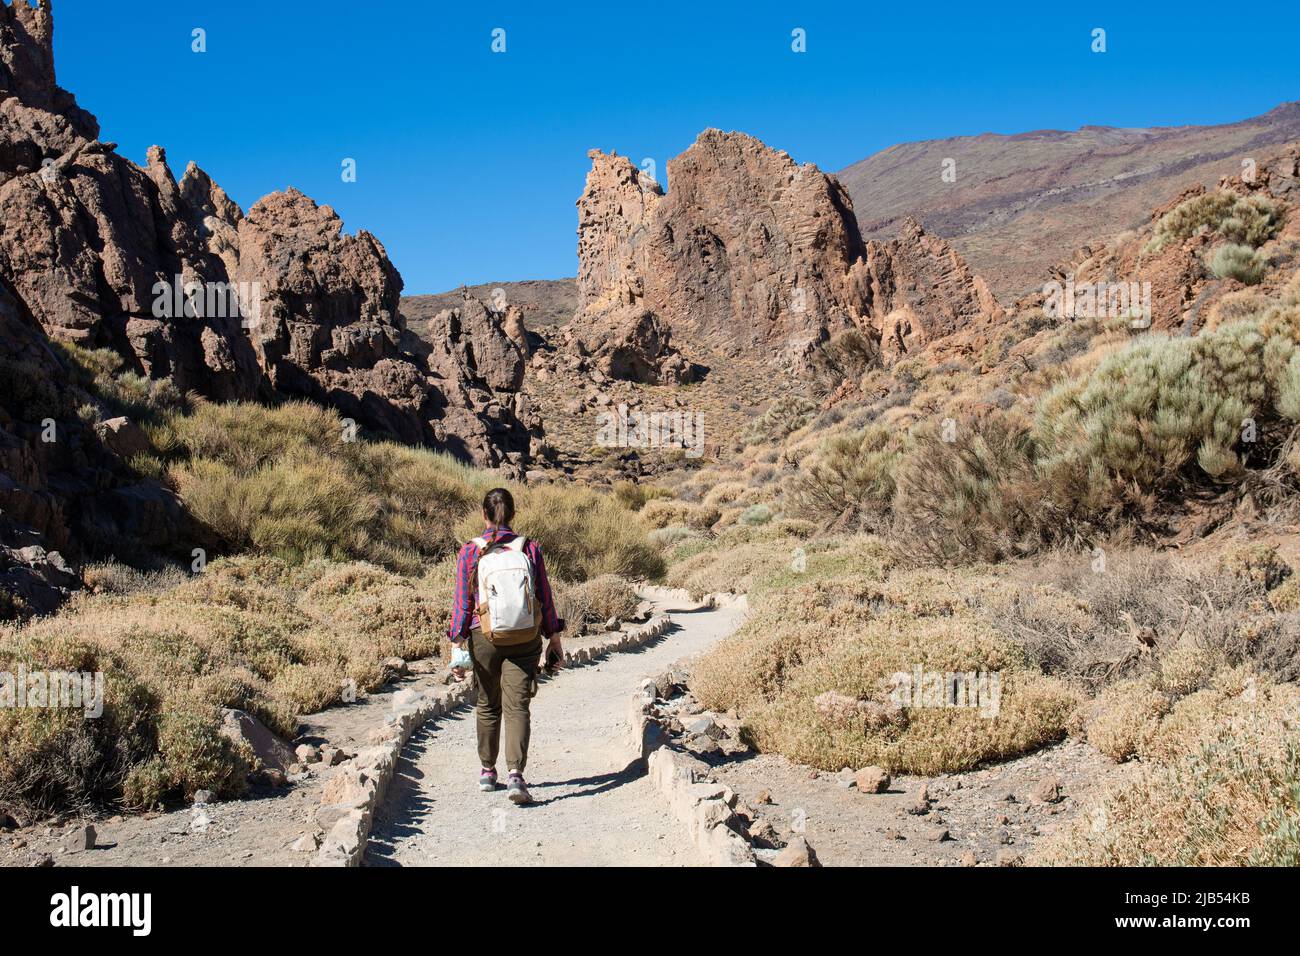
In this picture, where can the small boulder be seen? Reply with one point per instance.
(872, 780)
(307, 753)
(1048, 790)
(307, 843)
(796, 853)
(937, 835)
(79, 839)
(242, 727)
(1009, 858)
(123, 437)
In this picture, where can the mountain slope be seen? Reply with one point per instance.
(1022, 203)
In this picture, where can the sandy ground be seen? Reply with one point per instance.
(592, 807)
(983, 811)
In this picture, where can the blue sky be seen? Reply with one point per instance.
(469, 162)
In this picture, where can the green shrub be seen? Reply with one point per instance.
(1233, 261)
(851, 473)
(1160, 415)
(756, 515)
(1249, 220)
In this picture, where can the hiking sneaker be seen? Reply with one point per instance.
(518, 791)
(487, 780)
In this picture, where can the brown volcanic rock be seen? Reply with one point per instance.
(71, 496)
(177, 279)
(748, 253)
(751, 254)
(922, 291)
(479, 366)
(330, 330)
(88, 240)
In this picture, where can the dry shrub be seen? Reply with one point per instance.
(283, 481)
(583, 533)
(1221, 788)
(633, 496)
(724, 493)
(973, 497)
(257, 634)
(803, 643)
(1126, 717)
(596, 601)
(663, 513)
(784, 416)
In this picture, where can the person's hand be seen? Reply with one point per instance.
(554, 656)
(458, 672)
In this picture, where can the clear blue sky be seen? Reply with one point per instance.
(469, 162)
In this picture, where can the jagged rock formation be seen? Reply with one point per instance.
(65, 490)
(922, 291)
(88, 239)
(175, 277)
(751, 254)
(479, 362)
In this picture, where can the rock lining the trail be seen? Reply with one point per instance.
(708, 809)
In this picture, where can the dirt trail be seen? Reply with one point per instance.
(593, 806)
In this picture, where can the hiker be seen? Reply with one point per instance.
(503, 605)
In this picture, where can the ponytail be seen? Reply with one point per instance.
(499, 507)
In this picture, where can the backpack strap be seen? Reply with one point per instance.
(517, 543)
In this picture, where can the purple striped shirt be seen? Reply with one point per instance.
(464, 612)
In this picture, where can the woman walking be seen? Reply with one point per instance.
(504, 608)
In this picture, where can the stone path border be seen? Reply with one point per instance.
(703, 806)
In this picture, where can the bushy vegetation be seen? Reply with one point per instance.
(810, 671)
(256, 634)
(1248, 220)
(1220, 785)
(1234, 261)
(340, 555)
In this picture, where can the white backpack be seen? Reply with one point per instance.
(507, 595)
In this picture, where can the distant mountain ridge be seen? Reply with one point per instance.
(1024, 202)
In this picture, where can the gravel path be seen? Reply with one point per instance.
(593, 806)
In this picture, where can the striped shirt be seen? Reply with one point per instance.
(464, 612)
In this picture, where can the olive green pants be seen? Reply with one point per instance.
(506, 680)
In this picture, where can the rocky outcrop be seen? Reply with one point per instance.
(177, 279)
(478, 364)
(751, 254)
(98, 249)
(921, 291)
(1175, 278)
(66, 490)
